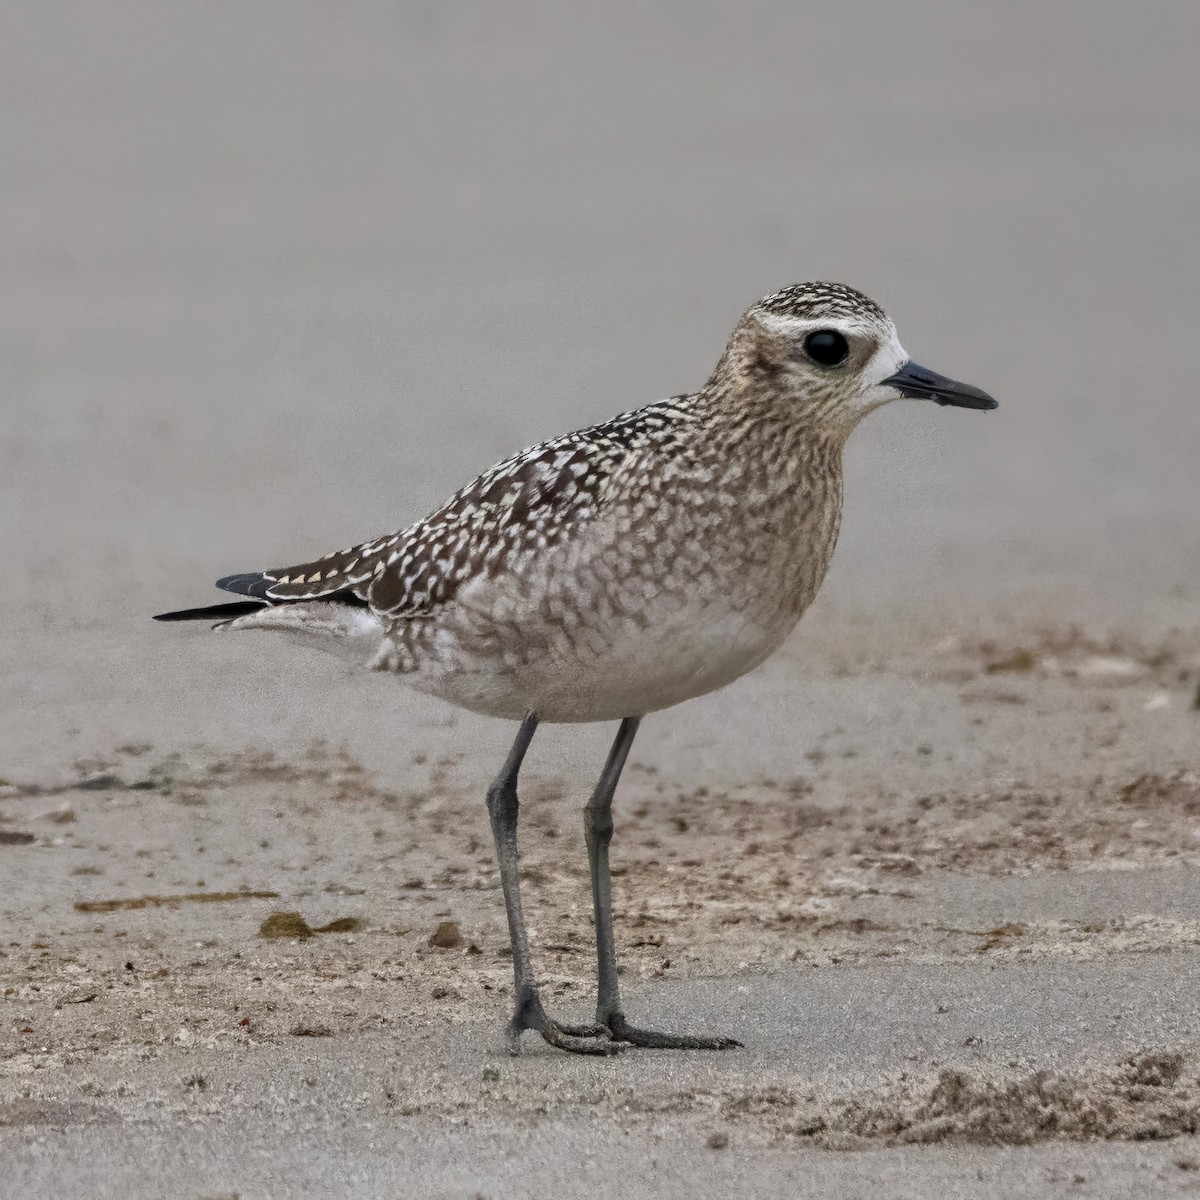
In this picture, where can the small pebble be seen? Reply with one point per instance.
(446, 936)
(285, 925)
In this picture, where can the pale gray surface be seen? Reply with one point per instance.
(273, 280)
(255, 1134)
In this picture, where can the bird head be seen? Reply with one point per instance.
(835, 353)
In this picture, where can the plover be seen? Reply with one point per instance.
(616, 571)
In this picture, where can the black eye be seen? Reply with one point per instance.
(826, 347)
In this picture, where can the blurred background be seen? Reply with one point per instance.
(279, 277)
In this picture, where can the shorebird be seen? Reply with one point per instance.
(615, 571)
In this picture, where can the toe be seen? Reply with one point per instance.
(652, 1039)
(557, 1036)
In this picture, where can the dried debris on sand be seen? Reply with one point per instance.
(1147, 1096)
(704, 879)
(293, 925)
(130, 902)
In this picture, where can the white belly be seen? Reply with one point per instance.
(608, 671)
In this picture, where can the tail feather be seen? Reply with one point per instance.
(269, 589)
(242, 608)
(214, 612)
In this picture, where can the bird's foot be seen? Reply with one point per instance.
(608, 1036)
(575, 1039)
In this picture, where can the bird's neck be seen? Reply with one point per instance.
(780, 487)
(761, 426)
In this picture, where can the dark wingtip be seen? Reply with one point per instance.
(213, 612)
(255, 584)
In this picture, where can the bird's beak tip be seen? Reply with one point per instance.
(922, 384)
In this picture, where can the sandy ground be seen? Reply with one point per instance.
(274, 282)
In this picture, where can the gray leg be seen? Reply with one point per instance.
(528, 1012)
(598, 829)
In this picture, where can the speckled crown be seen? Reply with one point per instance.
(820, 299)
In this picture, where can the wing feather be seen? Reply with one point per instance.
(529, 502)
